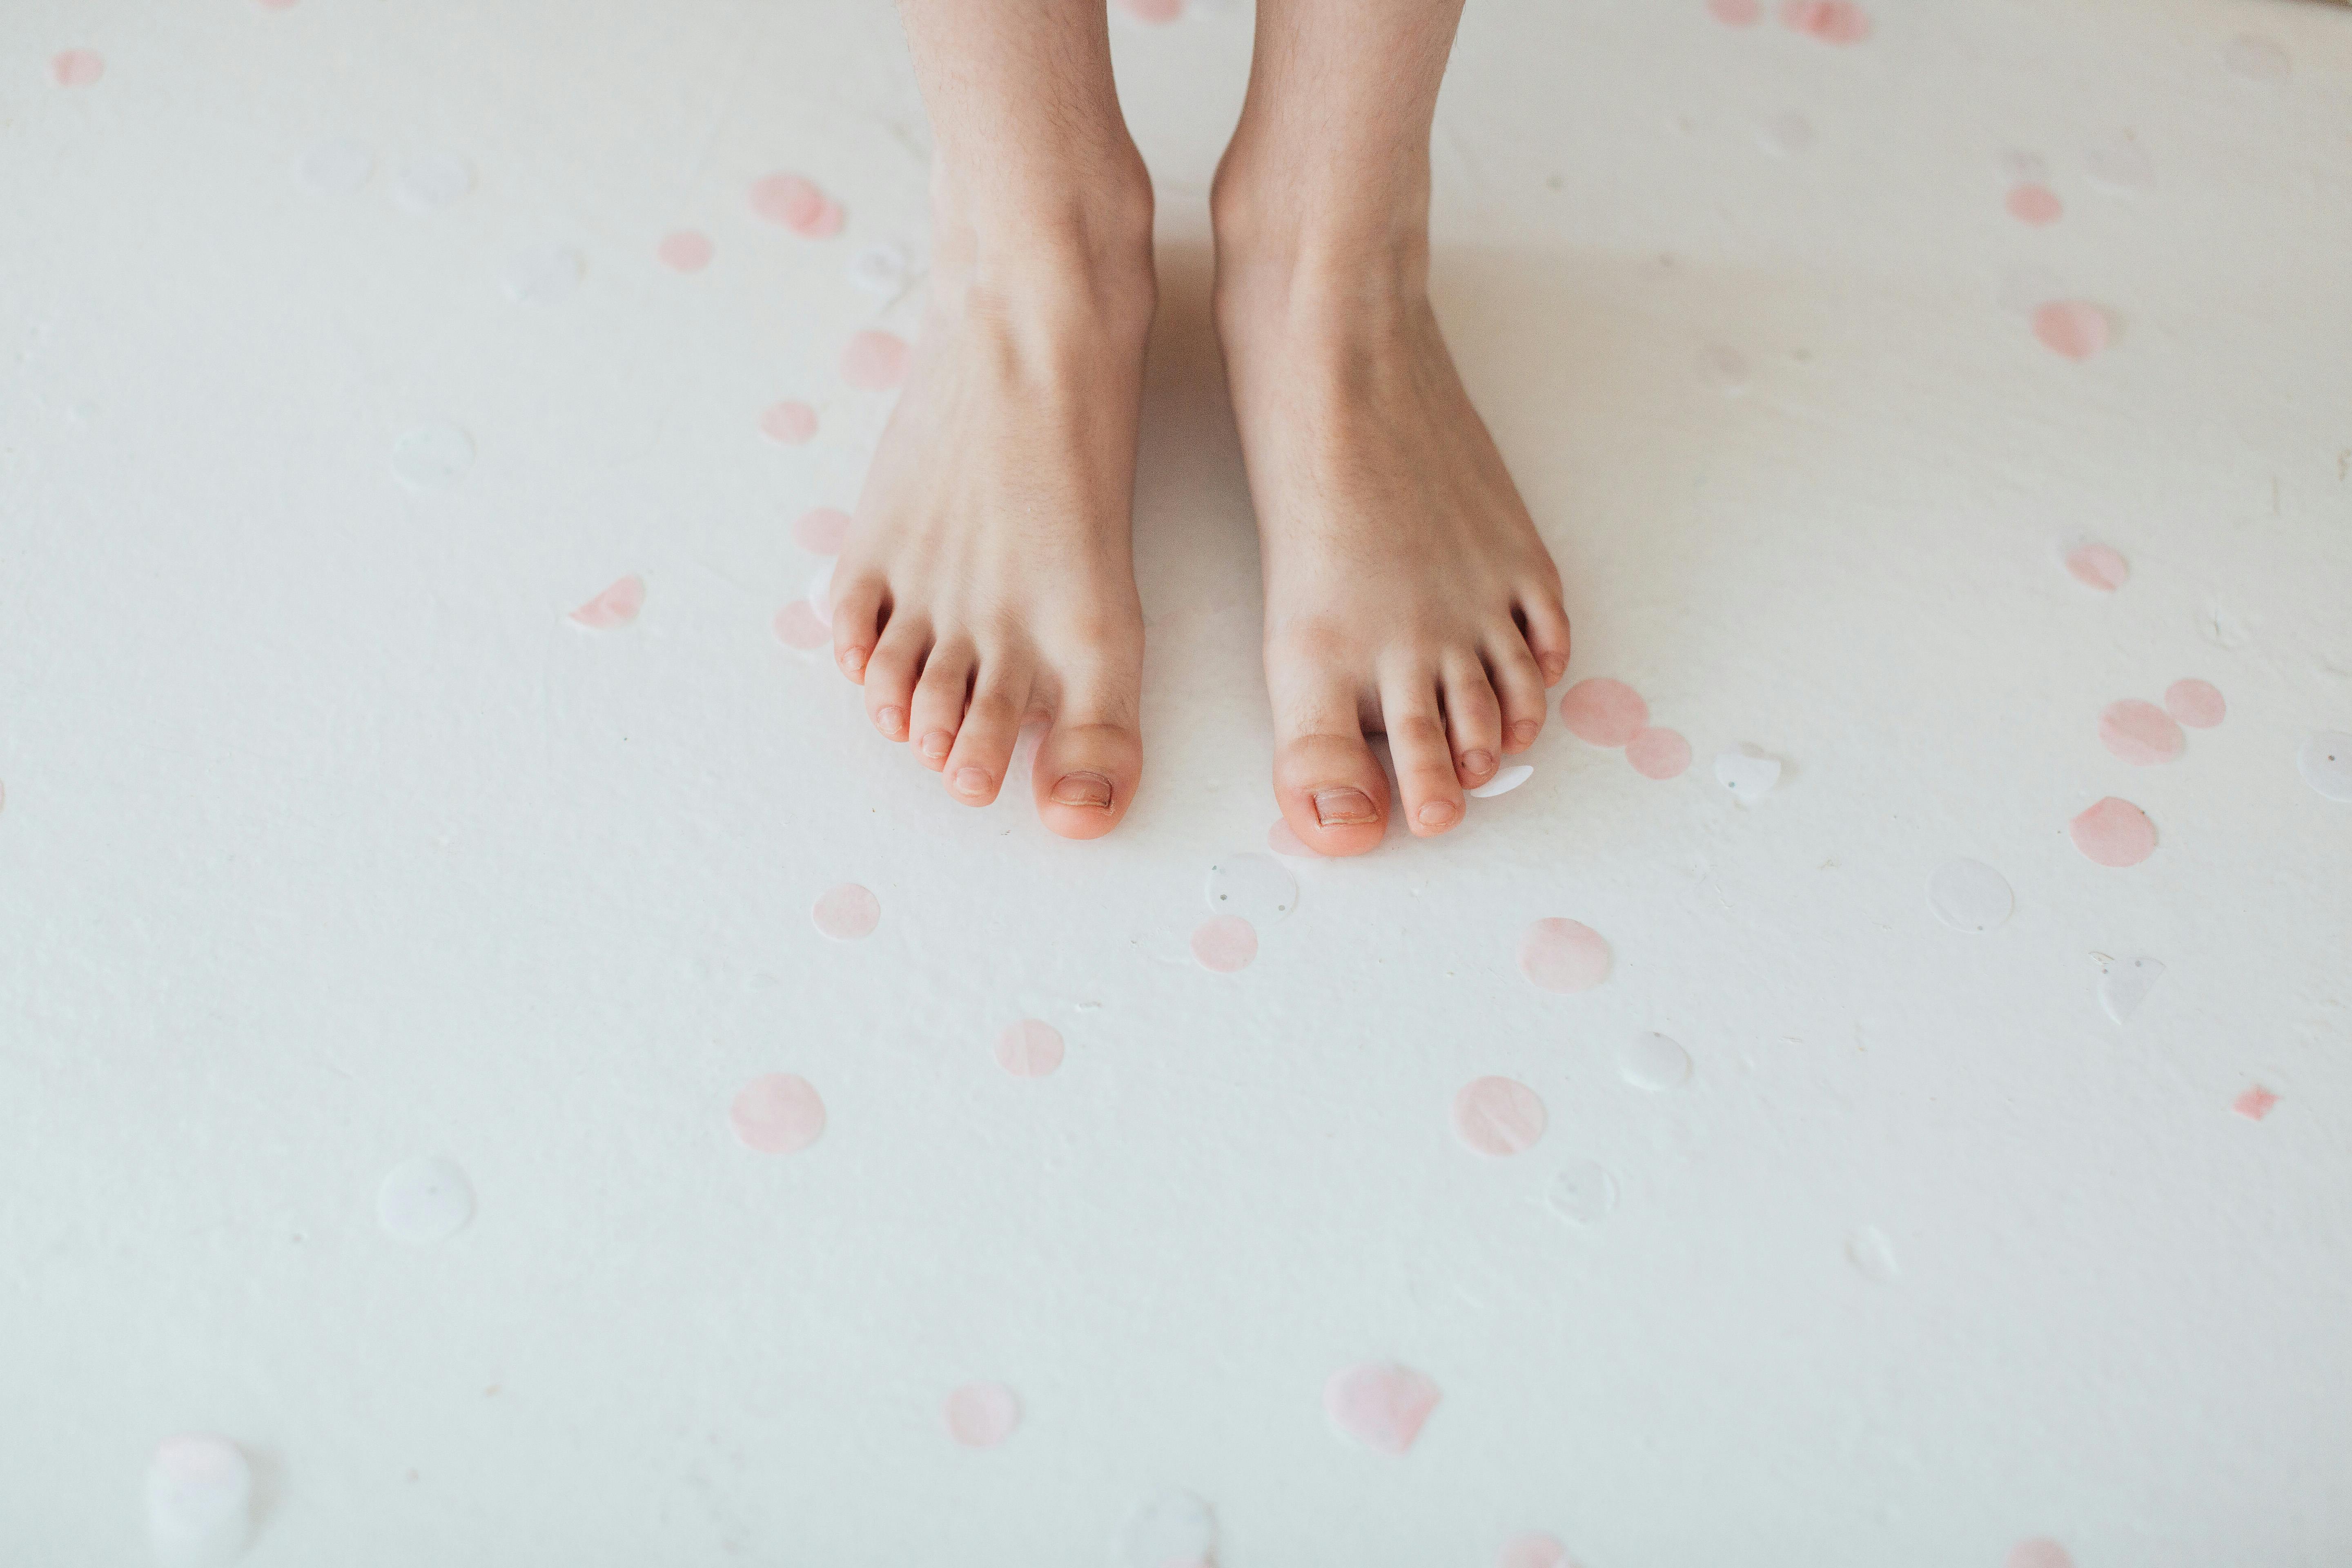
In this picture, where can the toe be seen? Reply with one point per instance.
(1545, 627)
(1326, 779)
(937, 711)
(1519, 686)
(856, 620)
(1474, 722)
(1092, 760)
(992, 725)
(1424, 761)
(891, 674)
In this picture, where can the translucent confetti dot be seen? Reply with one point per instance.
(1653, 1062)
(2257, 59)
(1563, 955)
(1830, 21)
(685, 251)
(2126, 985)
(880, 268)
(1283, 841)
(777, 1114)
(1381, 1405)
(2070, 328)
(1225, 944)
(77, 67)
(1968, 895)
(2035, 204)
(822, 531)
(875, 362)
(199, 1502)
(798, 204)
(2140, 734)
(1505, 781)
(1872, 1255)
(2119, 165)
(2114, 833)
(796, 625)
(429, 185)
(1659, 755)
(788, 424)
(426, 1200)
(1499, 1116)
(1254, 887)
(1174, 1530)
(1784, 134)
(2256, 1103)
(1748, 777)
(1583, 1194)
(2100, 566)
(2325, 763)
(1603, 712)
(616, 606)
(1725, 368)
(847, 913)
(819, 595)
(2037, 1553)
(543, 275)
(1533, 1551)
(1737, 12)
(981, 1415)
(2195, 703)
(337, 167)
(1030, 1048)
(432, 457)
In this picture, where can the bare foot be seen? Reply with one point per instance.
(989, 578)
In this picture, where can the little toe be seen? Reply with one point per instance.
(1092, 760)
(1474, 722)
(1326, 779)
(857, 614)
(937, 711)
(1546, 626)
(1519, 686)
(1424, 761)
(992, 726)
(891, 674)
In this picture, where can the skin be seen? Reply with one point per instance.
(989, 577)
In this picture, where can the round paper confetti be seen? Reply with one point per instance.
(2119, 166)
(880, 269)
(1653, 1062)
(1283, 841)
(1737, 12)
(1254, 887)
(2195, 703)
(1030, 1048)
(1968, 895)
(1830, 21)
(822, 531)
(2257, 59)
(337, 167)
(2126, 985)
(616, 606)
(2100, 566)
(543, 275)
(1225, 944)
(1603, 712)
(1379, 1403)
(1505, 781)
(199, 1501)
(1872, 1255)
(2256, 1103)
(787, 199)
(426, 1200)
(797, 626)
(875, 362)
(2037, 1553)
(2074, 328)
(1659, 755)
(2036, 204)
(847, 913)
(1746, 776)
(1174, 1530)
(788, 424)
(2114, 833)
(429, 185)
(778, 1113)
(981, 1415)
(1499, 1116)
(1582, 1194)
(77, 67)
(432, 457)
(687, 250)
(1563, 955)
(2141, 733)
(1785, 134)
(1532, 1552)
(2325, 763)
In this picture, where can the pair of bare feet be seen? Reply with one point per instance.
(989, 581)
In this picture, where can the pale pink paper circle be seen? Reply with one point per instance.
(1225, 944)
(1532, 1551)
(1283, 841)
(78, 67)
(2072, 329)
(799, 625)
(2195, 703)
(2256, 1103)
(2035, 204)
(981, 1415)
(1499, 1116)
(778, 1113)
(822, 531)
(1563, 955)
(1831, 21)
(1603, 712)
(2100, 566)
(616, 606)
(1659, 755)
(685, 251)
(2141, 733)
(827, 222)
(1737, 12)
(874, 360)
(1157, 12)
(787, 199)
(847, 913)
(2037, 1553)
(788, 424)
(2114, 833)
(1379, 1403)
(1030, 1048)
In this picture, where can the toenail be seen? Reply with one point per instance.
(1082, 789)
(1524, 731)
(1479, 762)
(1436, 813)
(1342, 807)
(1554, 667)
(853, 660)
(936, 744)
(971, 781)
(890, 720)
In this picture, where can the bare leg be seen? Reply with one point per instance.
(1406, 590)
(989, 578)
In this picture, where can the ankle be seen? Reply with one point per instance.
(1075, 234)
(1353, 244)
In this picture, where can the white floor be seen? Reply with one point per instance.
(329, 844)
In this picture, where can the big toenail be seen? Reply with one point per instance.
(971, 781)
(1479, 762)
(890, 720)
(1342, 807)
(1082, 789)
(1524, 731)
(1436, 813)
(936, 744)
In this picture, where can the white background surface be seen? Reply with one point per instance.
(327, 844)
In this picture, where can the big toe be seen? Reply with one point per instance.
(1086, 772)
(1331, 792)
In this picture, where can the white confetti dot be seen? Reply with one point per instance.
(199, 1502)
(1257, 888)
(432, 457)
(1653, 1062)
(1968, 895)
(543, 275)
(2126, 985)
(1872, 1255)
(1726, 369)
(1174, 1530)
(2119, 166)
(1583, 1193)
(424, 1201)
(337, 167)
(1505, 781)
(2325, 763)
(428, 185)
(1785, 135)
(1747, 777)
(880, 269)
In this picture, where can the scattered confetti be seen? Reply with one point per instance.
(2035, 204)
(432, 457)
(1653, 1062)
(788, 424)
(2126, 985)
(1872, 1255)
(1603, 712)
(880, 268)
(2072, 329)
(1225, 944)
(1533, 1551)
(2119, 165)
(1784, 134)
(798, 204)
(1659, 755)
(1379, 1403)
(2039, 1553)
(2195, 703)
(1747, 776)
(2256, 1103)
(1504, 782)
(2114, 833)
(875, 362)
(777, 1114)
(1282, 840)
(2141, 733)
(687, 250)
(199, 1502)
(1737, 12)
(429, 185)
(1830, 21)
(1499, 1116)
(2257, 59)
(2100, 566)
(616, 606)
(847, 913)
(1583, 1194)
(1968, 895)
(426, 1200)
(1174, 1530)
(796, 625)
(981, 1415)
(2325, 763)
(822, 531)
(543, 275)
(1254, 886)
(1563, 955)
(77, 67)
(1030, 1048)
(337, 167)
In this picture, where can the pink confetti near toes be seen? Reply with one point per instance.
(1225, 944)
(875, 362)
(2039, 1553)
(2100, 566)
(798, 204)
(981, 1415)
(78, 67)
(2141, 733)
(2072, 329)
(1499, 1116)
(685, 251)
(847, 913)
(822, 531)
(798, 625)
(2036, 204)
(2256, 1103)
(1563, 955)
(2114, 833)
(1379, 1403)
(788, 424)
(1533, 1552)
(616, 606)
(1603, 712)
(1030, 1048)
(1737, 12)
(1659, 755)
(1830, 21)
(2195, 703)
(778, 1114)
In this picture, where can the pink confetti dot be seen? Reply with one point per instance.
(2196, 703)
(2036, 204)
(1499, 1116)
(822, 531)
(2114, 833)
(827, 222)
(1225, 944)
(1603, 712)
(777, 1114)
(1030, 1048)
(2073, 329)
(1532, 1552)
(875, 362)
(2256, 1103)
(788, 424)
(1658, 754)
(1283, 841)
(1563, 955)
(1157, 12)
(2039, 1553)
(1737, 12)
(847, 913)
(2100, 566)
(798, 625)
(1379, 1403)
(981, 1415)
(1830, 21)
(787, 199)
(2141, 733)
(685, 251)
(616, 606)
(78, 67)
